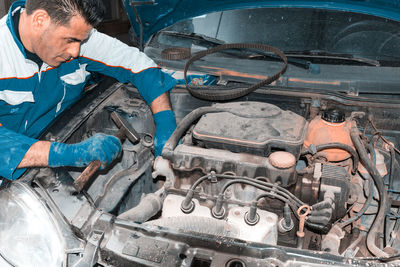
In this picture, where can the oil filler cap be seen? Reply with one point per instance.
(282, 159)
(333, 116)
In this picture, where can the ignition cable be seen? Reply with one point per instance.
(265, 188)
(272, 195)
(274, 186)
(285, 193)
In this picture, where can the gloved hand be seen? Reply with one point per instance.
(165, 126)
(104, 148)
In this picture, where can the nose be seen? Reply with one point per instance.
(73, 49)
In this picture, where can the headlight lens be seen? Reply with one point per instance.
(28, 233)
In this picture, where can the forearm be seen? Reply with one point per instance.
(38, 153)
(36, 156)
(161, 103)
(164, 119)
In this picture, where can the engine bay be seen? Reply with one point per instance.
(247, 170)
(244, 168)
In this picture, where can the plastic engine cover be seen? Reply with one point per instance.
(251, 127)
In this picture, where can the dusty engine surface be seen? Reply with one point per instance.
(236, 173)
(251, 127)
(249, 139)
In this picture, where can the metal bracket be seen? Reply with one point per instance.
(92, 246)
(133, 4)
(352, 91)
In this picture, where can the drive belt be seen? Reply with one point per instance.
(204, 92)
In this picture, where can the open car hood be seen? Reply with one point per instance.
(148, 17)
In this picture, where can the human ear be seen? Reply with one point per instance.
(40, 20)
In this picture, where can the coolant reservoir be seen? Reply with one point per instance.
(331, 127)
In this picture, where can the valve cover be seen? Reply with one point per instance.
(251, 127)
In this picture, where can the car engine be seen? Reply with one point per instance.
(253, 171)
(231, 158)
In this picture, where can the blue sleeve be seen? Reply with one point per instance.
(111, 57)
(151, 82)
(13, 147)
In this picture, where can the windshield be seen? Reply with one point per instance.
(309, 31)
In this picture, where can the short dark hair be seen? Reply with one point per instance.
(61, 11)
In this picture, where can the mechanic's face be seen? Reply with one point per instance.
(59, 43)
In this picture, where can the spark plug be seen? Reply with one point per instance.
(218, 210)
(251, 217)
(187, 205)
(286, 223)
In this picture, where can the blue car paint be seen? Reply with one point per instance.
(161, 14)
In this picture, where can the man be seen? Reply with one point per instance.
(47, 49)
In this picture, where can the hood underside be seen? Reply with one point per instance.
(148, 17)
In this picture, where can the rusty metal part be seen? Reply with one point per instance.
(282, 159)
(302, 215)
(125, 131)
(175, 53)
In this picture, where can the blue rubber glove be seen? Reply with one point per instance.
(165, 126)
(104, 148)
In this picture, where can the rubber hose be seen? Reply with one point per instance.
(336, 145)
(148, 206)
(372, 152)
(327, 212)
(364, 207)
(186, 122)
(318, 227)
(198, 224)
(391, 177)
(392, 168)
(321, 220)
(325, 204)
(383, 197)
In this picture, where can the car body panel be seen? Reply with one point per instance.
(156, 15)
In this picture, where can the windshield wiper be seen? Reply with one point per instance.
(331, 55)
(195, 36)
(301, 63)
(313, 68)
(314, 53)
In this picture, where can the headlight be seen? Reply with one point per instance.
(28, 233)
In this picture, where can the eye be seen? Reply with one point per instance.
(73, 40)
